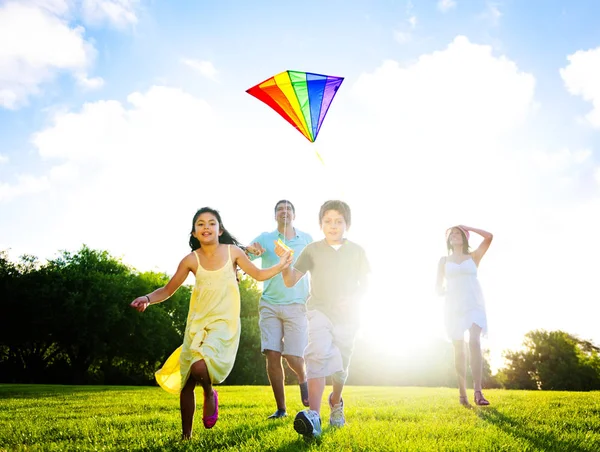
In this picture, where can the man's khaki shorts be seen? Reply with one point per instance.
(283, 328)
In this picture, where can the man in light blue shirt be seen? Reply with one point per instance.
(282, 310)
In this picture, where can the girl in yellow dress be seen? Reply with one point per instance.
(212, 331)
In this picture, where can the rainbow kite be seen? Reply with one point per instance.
(301, 98)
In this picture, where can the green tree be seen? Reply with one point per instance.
(249, 367)
(25, 332)
(69, 321)
(553, 360)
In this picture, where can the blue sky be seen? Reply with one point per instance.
(119, 118)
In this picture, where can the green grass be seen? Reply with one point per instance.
(65, 418)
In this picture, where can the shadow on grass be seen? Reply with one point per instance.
(299, 442)
(217, 440)
(238, 437)
(533, 433)
(42, 391)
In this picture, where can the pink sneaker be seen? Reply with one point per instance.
(210, 421)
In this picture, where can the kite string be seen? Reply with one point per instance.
(285, 225)
(336, 176)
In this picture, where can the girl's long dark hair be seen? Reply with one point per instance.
(225, 237)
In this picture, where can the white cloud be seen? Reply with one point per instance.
(582, 78)
(64, 173)
(402, 37)
(29, 184)
(204, 68)
(156, 124)
(495, 12)
(464, 91)
(57, 7)
(114, 163)
(444, 118)
(37, 46)
(26, 185)
(561, 160)
(412, 20)
(89, 83)
(3, 159)
(446, 5)
(117, 12)
(492, 14)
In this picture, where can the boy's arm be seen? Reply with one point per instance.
(291, 275)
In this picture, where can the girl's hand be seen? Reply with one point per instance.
(140, 303)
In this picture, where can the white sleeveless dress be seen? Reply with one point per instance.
(465, 305)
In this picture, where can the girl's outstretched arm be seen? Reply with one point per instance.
(185, 266)
(260, 274)
(441, 274)
(482, 249)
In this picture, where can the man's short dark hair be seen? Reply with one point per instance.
(287, 202)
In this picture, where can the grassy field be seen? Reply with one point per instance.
(65, 418)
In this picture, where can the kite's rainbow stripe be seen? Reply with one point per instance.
(302, 98)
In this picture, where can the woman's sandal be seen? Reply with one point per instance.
(480, 400)
(210, 421)
(464, 401)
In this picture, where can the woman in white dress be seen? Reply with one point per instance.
(464, 307)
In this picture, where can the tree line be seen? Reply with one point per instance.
(68, 321)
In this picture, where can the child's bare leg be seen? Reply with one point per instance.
(460, 362)
(200, 373)
(187, 405)
(316, 387)
(336, 395)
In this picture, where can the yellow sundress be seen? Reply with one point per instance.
(212, 332)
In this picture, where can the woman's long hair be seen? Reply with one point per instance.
(225, 237)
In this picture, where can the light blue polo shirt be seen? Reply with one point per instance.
(274, 290)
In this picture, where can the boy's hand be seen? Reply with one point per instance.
(285, 260)
(255, 249)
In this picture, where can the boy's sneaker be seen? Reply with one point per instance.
(308, 423)
(336, 418)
